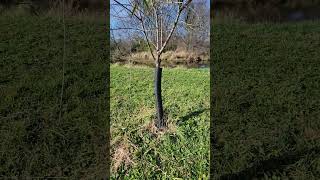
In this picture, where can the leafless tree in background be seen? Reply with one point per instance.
(197, 26)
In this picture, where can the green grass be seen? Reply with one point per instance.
(266, 105)
(182, 151)
(34, 142)
(266, 110)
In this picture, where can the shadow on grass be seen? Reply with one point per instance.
(191, 115)
(277, 163)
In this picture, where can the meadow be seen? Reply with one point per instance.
(139, 151)
(265, 105)
(35, 142)
(265, 100)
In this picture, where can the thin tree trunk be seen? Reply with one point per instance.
(160, 122)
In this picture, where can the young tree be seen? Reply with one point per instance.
(157, 20)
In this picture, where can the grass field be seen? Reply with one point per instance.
(181, 151)
(266, 110)
(34, 141)
(266, 81)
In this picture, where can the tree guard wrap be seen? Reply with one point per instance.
(160, 123)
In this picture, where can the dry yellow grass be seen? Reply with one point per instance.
(311, 134)
(144, 112)
(156, 132)
(122, 154)
(170, 57)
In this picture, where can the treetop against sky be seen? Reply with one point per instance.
(117, 11)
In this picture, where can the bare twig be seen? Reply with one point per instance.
(125, 7)
(174, 26)
(147, 38)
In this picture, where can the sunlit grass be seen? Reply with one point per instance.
(139, 150)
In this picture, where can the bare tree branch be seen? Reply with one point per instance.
(131, 11)
(147, 38)
(174, 26)
(128, 28)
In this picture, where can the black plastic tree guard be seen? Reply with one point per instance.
(160, 123)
